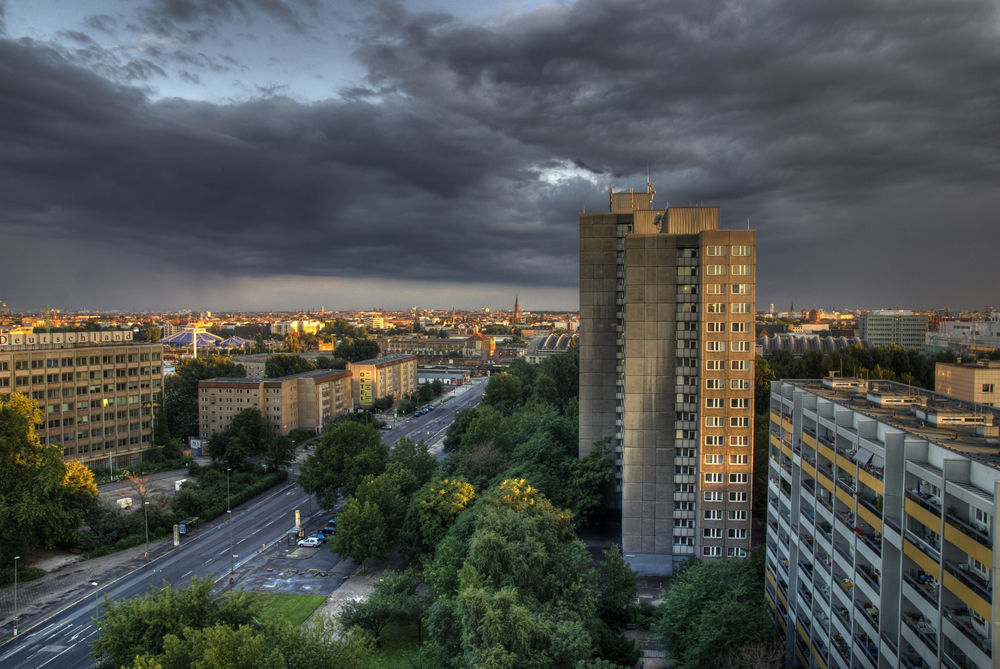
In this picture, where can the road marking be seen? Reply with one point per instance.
(186, 573)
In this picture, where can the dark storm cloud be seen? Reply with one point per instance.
(168, 17)
(852, 133)
(809, 116)
(104, 23)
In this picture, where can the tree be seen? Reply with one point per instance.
(180, 390)
(248, 436)
(437, 505)
(587, 483)
(395, 598)
(504, 392)
(356, 350)
(615, 588)
(415, 458)
(42, 500)
(347, 452)
(488, 426)
(286, 365)
(712, 608)
(324, 362)
(362, 531)
(138, 626)
(149, 333)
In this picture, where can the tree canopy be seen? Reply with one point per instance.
(346, 453)
(42, 499)
(286, 364)
(180, 390)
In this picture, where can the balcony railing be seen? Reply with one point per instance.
(873, 541)
(963, 573)
(975, 533)
(870, 505)
(870, 613)
(848, 485)
(932, 549)
(925, 500)
(842, 648)
(923, 629)
(869, 574)
(925, 585)
(871, 650)
(960, 618)
(843, 551)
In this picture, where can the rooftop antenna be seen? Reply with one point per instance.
(748, 222)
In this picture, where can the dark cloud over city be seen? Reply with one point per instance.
(455, 153)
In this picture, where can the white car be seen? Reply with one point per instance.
(310, 542)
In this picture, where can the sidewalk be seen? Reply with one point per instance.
(360, 584)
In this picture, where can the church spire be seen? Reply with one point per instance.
(517, 309)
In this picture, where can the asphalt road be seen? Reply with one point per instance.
(64, 639)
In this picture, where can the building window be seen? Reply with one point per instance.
(716, 307)
(740, 365)
(737, 533)
(740, 307)
(715, 403)
(715, 384)
(714, 440)
(715, 326)
(711, 551)
(739, 384)
(739, 403)
(687, 271)
(715, 365)
(742, 346)
(741, 250)
(739, 421)
(742, 270)
(712, 533)
(713, 459)
(683, 541)
(715, 251)
(713, 495)
(713, 514)
(737, 515)
(740, 327)
(741, 288)
(737, 552)
(737, 440)
(714, 289)
(987, 387)
(739, 478)
(713, 477)
(713, 421)
(713, 270)
(737, 497)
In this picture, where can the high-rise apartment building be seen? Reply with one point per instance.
(389, 376)
(666, 374)
(98, 391)
(904, 328)
(881, 543)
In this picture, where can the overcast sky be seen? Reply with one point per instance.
(251, 154)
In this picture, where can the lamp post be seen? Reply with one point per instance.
(16, 558)
(145, 517)
(95, 584)
(229, 510)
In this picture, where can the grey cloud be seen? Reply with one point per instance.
(104, 23)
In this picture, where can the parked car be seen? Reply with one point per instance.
(386, 426)
(329, 530)
(309, 542)
(319, 536)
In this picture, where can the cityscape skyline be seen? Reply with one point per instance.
(256, 155)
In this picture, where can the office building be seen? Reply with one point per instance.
(903, 328)
(666, 374)
(977, 382)
(304, 401)
(389, 376)
(881, 539)
(966, 335)
(98, 391)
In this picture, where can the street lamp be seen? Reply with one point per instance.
(145, 517)
(229, 510)
(95, 584)
(16, 558)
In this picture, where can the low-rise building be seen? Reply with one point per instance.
(978, 382)
(304, 401)
(389, 376)
(882, 546)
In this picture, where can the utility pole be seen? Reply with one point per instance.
(145, 517)
(16, 558)
(229, 510)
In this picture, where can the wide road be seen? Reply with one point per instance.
(63, 640)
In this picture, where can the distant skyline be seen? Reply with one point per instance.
(276, 154)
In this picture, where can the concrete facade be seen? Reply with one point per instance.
(389, 376)
(903, 328)
(881, 543)
(97, 400)
(666, 374)
(974, 383)
(306, 401)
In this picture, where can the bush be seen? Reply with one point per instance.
(24, 574)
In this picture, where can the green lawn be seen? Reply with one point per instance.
(399, 645)
(293, 608)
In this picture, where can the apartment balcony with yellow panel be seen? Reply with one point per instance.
(921, 514)
(970, 588)
(973, 540)
(866, 477)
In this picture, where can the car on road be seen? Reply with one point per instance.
(319, 536)
(309, 542)
(386, 426)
